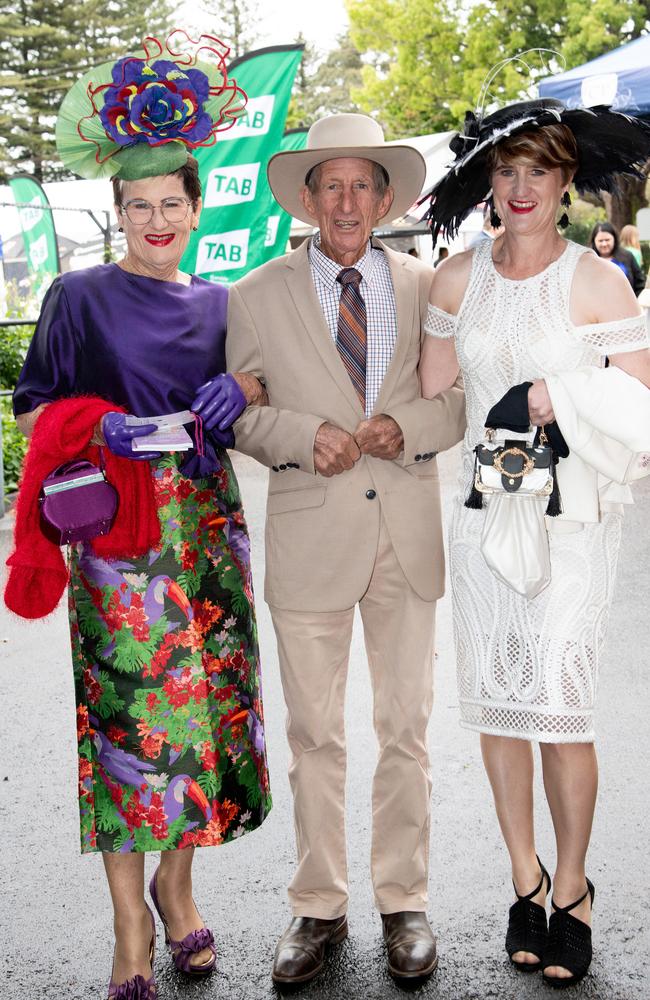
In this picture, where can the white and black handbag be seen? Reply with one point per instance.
(518, 476)
(514, 466)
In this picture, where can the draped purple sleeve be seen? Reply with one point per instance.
(145, 344)
(52, 360)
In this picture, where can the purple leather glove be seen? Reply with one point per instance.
(219, 402)
(224, 438)
(118, 437)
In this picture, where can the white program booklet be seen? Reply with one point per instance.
(169, 436)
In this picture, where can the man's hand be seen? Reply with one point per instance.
(335, 450)
(252, 388)
(540, 408)
(381, 437)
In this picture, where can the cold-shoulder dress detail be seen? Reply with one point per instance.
(528, 669)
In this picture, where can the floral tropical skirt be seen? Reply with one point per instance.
(169, 704)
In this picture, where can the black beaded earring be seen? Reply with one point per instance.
(495, 220)
(564, 220)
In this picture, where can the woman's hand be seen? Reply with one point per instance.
(25, 421)
(118, 436)
(540, 408)
(219, 402)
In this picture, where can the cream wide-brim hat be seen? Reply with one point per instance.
(340, 136)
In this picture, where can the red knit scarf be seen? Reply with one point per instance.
(37, 571)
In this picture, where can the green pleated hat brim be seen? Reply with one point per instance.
(99, 155)
(142, 160)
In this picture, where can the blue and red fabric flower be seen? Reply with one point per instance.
(156, 102)
(140, 116)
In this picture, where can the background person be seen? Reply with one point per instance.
(527, 306)
(604, 241)
(353, 517)
(170, 725)
(629, 239)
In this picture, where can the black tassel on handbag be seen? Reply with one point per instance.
(554, 506)
(475, 499)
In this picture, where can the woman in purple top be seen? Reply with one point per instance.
(169, 712)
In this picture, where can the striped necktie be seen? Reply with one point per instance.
(351, 330)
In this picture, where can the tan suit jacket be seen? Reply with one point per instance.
(322, 533)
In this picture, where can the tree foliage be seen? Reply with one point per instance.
(327, 87)
(235, 22)
(426, 60)
(300, 105)
(412, 77)
(45, 45)
(14, 341)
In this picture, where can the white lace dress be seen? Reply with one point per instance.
(527, 669)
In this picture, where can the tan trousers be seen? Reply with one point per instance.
(314, 651)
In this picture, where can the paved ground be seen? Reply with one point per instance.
(55, 919)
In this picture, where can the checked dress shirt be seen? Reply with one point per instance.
(377, 290)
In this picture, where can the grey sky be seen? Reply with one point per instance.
(282, 20)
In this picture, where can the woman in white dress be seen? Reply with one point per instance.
(527, 305)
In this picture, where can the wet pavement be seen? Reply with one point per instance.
(55, 919)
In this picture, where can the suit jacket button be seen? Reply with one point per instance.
(371, 494)
(418, 458)
(275, 468)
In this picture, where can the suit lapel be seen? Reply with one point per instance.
(405, 288)
(301, 288)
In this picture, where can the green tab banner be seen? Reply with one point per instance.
(236, 233)
(39, 235)
(278, 222)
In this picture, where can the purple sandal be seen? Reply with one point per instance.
(137, 988)
(192, 943)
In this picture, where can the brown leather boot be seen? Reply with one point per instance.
(411, 945)
(300, 954)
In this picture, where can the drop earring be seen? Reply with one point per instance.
(495, 220)
(564, 220)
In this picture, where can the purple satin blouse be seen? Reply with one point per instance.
(142, 343)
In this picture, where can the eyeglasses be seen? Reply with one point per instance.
(140, 212)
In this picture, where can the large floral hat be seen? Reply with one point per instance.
(609, 143)
(142, 115)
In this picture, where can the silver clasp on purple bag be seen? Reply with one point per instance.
(77, 502)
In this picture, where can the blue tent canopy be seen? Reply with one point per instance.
(620, 78)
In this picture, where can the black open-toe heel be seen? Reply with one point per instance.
(527, 928)
(569, 943)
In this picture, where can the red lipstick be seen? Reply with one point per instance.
(520, 209)
(160, 241)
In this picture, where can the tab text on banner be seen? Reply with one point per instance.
(237, 202)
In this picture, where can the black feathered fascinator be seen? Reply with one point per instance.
(609, 143)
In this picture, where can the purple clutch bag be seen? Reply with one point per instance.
(77, 503)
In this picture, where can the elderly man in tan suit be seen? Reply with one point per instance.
(353, 517)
